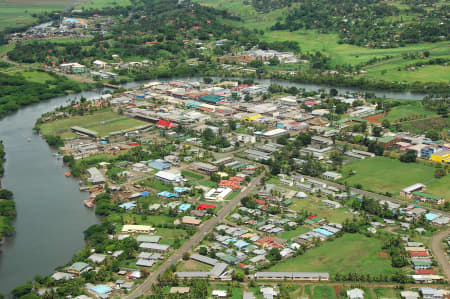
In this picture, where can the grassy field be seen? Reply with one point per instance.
(395, 72)
(440, 187)
(191, 265)
(409, 111)
(352, 252)
(38, 77)
(321, 292)
(317, 208)
(383, 174)
(421, 126)
(287, 235)
(208, 183)
(192, 175)
(99, 4)
(15, 13)
(103, 122)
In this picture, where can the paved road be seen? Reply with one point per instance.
(205, 228)
(439, 254)
(374, 195)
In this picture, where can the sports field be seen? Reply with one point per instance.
(350, 253)
(103, 122)
(381, 174)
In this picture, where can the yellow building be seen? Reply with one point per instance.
(252, 118)
(441, 157)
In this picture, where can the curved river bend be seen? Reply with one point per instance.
(50, 214)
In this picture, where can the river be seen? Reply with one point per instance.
(50, 214)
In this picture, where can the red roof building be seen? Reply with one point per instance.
(419, 254)
(165, 124)
(205, 206)
(424, 271)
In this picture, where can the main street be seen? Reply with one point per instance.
(205, 228)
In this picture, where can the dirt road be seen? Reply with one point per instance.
(439, 254)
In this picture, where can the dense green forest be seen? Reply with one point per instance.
(16, 91)
(372, 23)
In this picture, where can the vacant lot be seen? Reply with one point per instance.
(191, 265)
(99, 4)
(350, 253)
(317, 208)
(18, 12)
(440, 187)
(38, 77)
(421, 126)
(382, 174)
(103, 122)
(414, 110)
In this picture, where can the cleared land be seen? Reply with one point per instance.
(317, 208)
(103, 122)
(15, 13)
(414, 110)
(191, 265)
(350, 253)
(99, 4)
(38, 77)
(382, 174)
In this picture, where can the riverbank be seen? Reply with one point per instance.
(7, 205)
(51, 216)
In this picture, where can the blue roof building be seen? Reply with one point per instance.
(241, 244)
(159, 164)
(101, 289)
(167, 194)
(184, 207)
(180, 189)
(145, 193)
(127, 205)
(431, 216)
(323, 232)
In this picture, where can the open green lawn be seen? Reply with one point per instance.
(208, 183)
(193, 175)
(293, 233)
(317, 208)
(350, 253)
(385, 293)
(322, 292)
(103, 122)
(383, 174)
(440, 187)
(428, 73)
(151, 219)
(38, 77)
(99, 4)
(191, 265)
(409, 111)
(14, 13)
